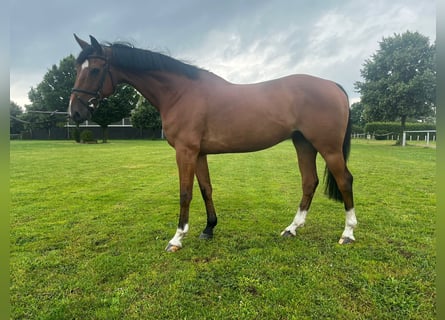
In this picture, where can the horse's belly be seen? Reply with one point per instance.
(232, 140)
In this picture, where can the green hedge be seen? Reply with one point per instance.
(381, 130)
(87, 136)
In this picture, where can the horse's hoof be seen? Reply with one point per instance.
(205, 236)
(287, 234)
(172, 248)
(346, 240)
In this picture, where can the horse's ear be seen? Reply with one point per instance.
(97, 47)
(82, 44)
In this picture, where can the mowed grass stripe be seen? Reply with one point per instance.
(89, 224)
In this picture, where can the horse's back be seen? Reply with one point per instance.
(256, 116)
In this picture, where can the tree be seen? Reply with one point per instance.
(357, 114)
(115, 108)
(399, 79)
(145, 115)
(52, 94)
(15, 123)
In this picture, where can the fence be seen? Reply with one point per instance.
(369, 136)
(119, 130)
(116, 133)
(416, 136)
(428, 135)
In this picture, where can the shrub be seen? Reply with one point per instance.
(357, 129)
(75, 133)
(87, 136)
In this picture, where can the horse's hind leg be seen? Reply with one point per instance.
(337, 166)
(202, 174)
(306, 154)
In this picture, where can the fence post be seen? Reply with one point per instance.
(404, 138)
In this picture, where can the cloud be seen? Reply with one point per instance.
(20, 86)
(243, 60)
(242, 41)
(343, 38)
(332, 43)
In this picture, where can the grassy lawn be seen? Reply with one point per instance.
(89, 224)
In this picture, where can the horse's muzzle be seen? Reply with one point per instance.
(79, 115)
(76, 117)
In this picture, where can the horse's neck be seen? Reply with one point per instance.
(158, 88)
(163, 89)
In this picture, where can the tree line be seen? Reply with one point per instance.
(399, 84)
(52, 95)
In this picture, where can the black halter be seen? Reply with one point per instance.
(96, 95)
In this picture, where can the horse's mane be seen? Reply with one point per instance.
(125, 55)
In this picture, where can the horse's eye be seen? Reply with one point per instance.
(94, 71)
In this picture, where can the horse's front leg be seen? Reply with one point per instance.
(186, 161)
(202, 173)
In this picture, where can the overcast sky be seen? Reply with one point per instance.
(242, 41)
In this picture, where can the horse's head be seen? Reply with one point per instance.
(94, 81)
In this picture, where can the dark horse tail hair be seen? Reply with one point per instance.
(331, 187)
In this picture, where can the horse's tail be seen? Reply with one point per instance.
(331, 187)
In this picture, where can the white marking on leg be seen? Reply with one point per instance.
(350, 223)
(298, 222)
(179, 235)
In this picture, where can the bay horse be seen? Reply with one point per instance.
(204, 114)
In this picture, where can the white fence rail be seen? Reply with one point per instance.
(427, 136)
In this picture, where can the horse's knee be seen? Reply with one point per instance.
(185, 198)
(310, 186)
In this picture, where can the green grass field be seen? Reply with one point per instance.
(89, 224)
